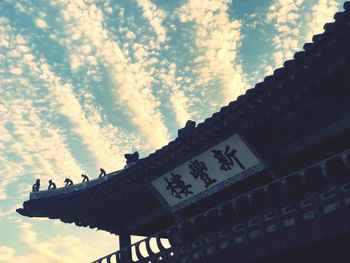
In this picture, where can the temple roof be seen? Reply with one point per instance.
(106, 203)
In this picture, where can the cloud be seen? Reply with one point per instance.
(155, 17)
(10, 211)
(4, 36)
(321, 13)
(132, 84)
(104, 141)
(285, 17)
(218, 39)
(40, 23)
(6, 254)
(295, 22)
(34, 139)
(179, 101)
(59, 248)
(47, 155)
(28, 235)
(16, 71)
(106, 155)
(29, 144)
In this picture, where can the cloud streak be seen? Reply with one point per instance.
(60, 248)
(284, 16)
(26, 141)
(321, 12)
(218, 39)
(84, 24)
(155, 17)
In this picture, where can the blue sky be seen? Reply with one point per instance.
(82, 82)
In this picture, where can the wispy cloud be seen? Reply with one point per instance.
(285, 17)
(295, 22)
(85, 26)
(164, 70)
(40, 23)
(27, 140)
(321, 12)
(6, 254)
(106, 155)
(60, 248)
(179, 100)
(155, 17)
(34, 140)
(218, 39)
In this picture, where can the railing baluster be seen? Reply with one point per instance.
(138, 252)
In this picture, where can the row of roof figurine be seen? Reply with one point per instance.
(68, 181)
(130, 159)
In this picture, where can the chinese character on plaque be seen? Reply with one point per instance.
(177, 186)
(199, 170)
(227, 159)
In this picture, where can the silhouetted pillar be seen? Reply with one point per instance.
(125, 242)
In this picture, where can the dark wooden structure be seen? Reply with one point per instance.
(295, 210)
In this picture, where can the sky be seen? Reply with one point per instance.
(82, 82)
